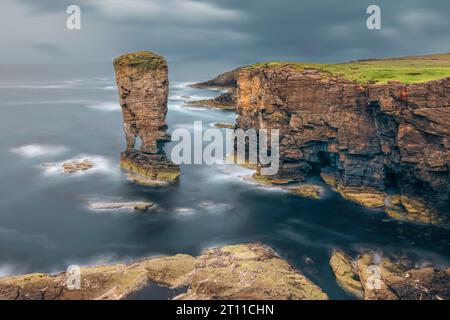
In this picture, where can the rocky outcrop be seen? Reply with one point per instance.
(222, 81)
(367, 139)
(250, 271)
(346, 273)
(373, 277)
(225, 101)
(142, 80)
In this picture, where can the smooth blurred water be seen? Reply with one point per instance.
(46, 225)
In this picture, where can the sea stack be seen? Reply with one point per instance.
(143, 84)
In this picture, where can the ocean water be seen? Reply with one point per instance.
(46, 223)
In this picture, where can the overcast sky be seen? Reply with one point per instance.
(202, 38)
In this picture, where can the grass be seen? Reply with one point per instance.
(407, 70)
(144, 60)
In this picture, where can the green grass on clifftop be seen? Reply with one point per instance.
(145, 59)
(407, 69)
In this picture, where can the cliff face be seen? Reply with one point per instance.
(142, 80)
(365, 139)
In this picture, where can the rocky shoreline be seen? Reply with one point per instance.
(248, 271)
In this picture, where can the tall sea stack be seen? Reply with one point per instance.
(142, 80)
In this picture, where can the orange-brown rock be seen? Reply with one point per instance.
(367, 137)
(247, 271)
(375, 277)
(142, 80)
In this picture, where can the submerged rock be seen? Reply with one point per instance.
(223, 125)
(76, 165)
(142, 79)
(247, 271)
(308, 191)
(383, 278)
(139, 206)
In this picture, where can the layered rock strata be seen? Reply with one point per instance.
(142, 80)
(372, 277)
(250, 271)
(367, 140)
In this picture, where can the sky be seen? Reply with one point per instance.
(202, 38)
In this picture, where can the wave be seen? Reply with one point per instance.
(106, 106)
(180, 85)
(188, 97)
(39, 150)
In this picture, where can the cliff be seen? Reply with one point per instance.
(379, 142)
(142, 80)
(248, 271)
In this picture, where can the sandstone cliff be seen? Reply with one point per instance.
(142, 80)
(369, 140)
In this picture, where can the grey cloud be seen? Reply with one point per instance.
(204, 37)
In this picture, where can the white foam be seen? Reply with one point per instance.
(110, 88)
(181, 85)
(185, 211)
(105, 106)
(39, 150)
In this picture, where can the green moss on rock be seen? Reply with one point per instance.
(145, 60)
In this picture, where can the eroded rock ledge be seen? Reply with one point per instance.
(250, 271)
(142, 80)
(369, 140)
(372, 277)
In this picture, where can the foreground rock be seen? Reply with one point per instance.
(142, 80)
(374, 278)
(366, 137)
(250, 271)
